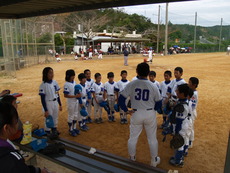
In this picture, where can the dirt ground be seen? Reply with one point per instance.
(211, 127)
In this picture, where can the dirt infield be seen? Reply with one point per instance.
(211, 127)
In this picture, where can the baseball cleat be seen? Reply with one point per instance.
(125, 121)
(87, 127)
(155, 161)
(100, 120)
(83, 128)
(110, 119)
(72, 133)
(113, 118)
(122, 121)
(76, 131)
(133, 158)
(96, 121)
(89, 120)
(173, 162)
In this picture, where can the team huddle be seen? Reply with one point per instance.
(141, 98)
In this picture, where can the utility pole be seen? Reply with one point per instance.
(195, 33)
(158, 29)
(220, 32)
(166, 30)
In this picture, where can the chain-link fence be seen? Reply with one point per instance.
(24, 42)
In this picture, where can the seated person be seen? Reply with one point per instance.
(13, 101)
(11, 161)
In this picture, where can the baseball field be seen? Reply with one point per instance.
(211, 127)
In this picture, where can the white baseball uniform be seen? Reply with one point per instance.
(150, 52)
(119, 87)
(186, 130)
(72, 103)
(143, 95)
(228, 50)
(89, 83)
(50, 90)
(135, 78)
(98, 89)
(109, 88)
(84, 97)
(193, 105)
(156, 83)
(164, 88)
(183, 125)
(174, 84)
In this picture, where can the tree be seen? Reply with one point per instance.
(89, 22)
(175, 35)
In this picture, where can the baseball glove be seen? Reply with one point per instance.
(49, 122)
(177, 141)
(105, 105)
(83, 112)
(77, 89)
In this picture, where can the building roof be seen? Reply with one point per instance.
(109, 39)
(13, 9)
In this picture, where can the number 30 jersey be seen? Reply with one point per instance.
(143, 94)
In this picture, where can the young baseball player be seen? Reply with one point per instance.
(193, 84)
(90, 52)
(178, 72)
(120, 85)
(109, 93)
(89, 83)
(83, 100)
(50, 99)
(187, 124)
(57, 56)
(150, 52)
(145, 99)
(181, 111)
(163, 90)
(72, 102)
(152, 77)
(100, 53)
(98, 92)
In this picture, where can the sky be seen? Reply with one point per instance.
(209, 12)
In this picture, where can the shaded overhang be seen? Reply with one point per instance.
(14, 9)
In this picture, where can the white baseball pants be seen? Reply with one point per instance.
(111, 101)
(147, 119)
(52, 107)
(72, 108)
(97, 108)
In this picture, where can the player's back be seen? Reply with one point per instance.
(143, 94)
